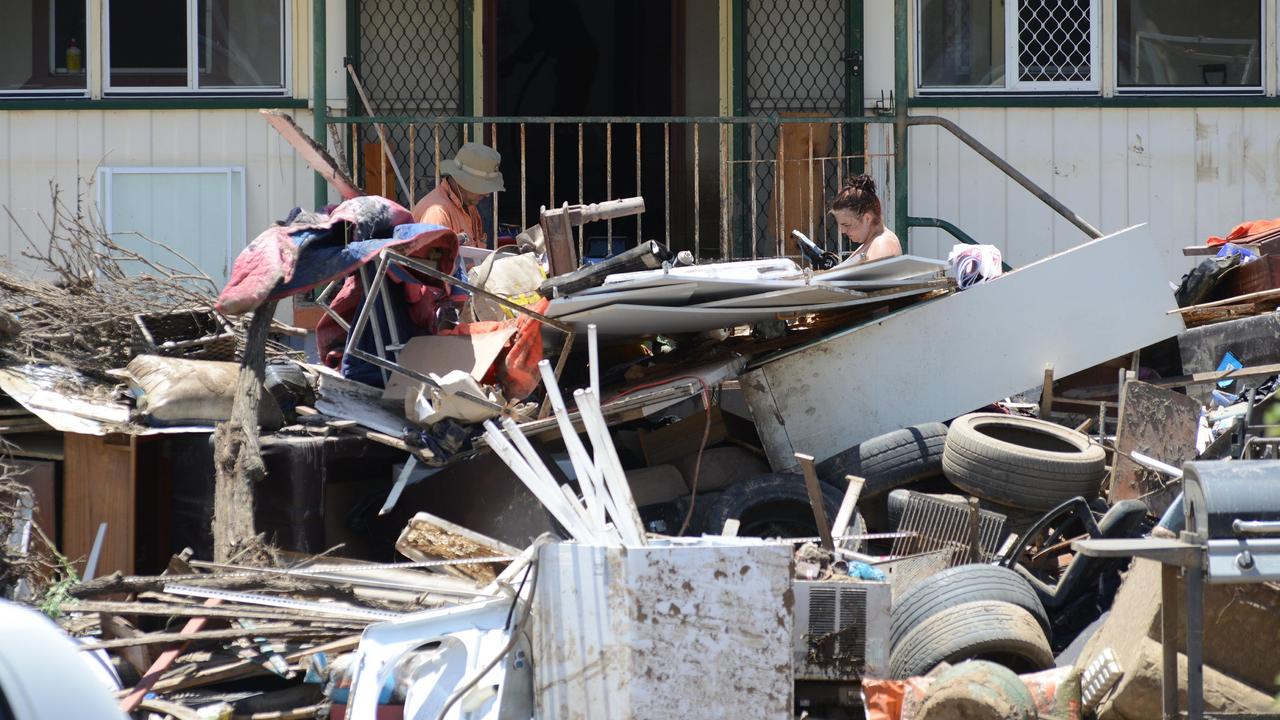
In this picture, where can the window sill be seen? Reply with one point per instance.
(152, 103)
(1131, 100)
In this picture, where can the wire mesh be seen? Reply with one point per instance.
(796, 64)
(1055, 41)
(409, 64)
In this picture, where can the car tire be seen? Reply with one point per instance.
(1021, 462)
(983, 630)
(958, 585)
(889, 461)
(978, 690)
(776, 505)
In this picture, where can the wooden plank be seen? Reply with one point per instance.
(1160, 424)
(1237, 300)
(816, 500)
(319, 159)
(99, 485)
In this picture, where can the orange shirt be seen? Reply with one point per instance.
(442, 206)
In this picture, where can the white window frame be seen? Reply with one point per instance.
(235, 178)
(86, 53)
(192, 86)
(1011, 82)
(1259, 89)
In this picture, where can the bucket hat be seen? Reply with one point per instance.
(475, 168)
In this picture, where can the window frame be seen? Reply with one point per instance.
(1158, 90)
(192, 87)
(1012, 85)
(86, 53)
(236, 187)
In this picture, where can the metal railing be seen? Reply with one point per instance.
(711, 191)
(702, 177)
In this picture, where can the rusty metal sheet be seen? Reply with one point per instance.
(1160, 424)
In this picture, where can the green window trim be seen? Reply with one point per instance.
(169, 103)
(1093, 101)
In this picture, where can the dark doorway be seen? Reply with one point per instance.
(583, 58)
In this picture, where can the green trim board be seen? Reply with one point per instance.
(466, 46)
(319, 93)
(168, 103)
(855, 70)
(1077, 101)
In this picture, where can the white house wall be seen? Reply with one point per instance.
(65, 147)
(1189, 172)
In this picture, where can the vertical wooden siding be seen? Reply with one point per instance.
(1188, 172)
(67, 146)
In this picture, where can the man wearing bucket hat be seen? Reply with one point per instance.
(466, 179)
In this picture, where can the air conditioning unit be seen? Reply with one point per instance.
(841, 630)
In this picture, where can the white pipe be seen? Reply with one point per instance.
(628, 519)
(589, 481)
(1152, 463)
(553, 501)
(593, 356)
(530, 455)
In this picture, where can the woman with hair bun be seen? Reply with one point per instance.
(857, 213)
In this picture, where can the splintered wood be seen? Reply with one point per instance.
(428, 537)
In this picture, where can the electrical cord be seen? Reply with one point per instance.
(702, 446)
(531, 577)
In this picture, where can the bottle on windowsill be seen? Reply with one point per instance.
(73, 57)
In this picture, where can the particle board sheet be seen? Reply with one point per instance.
(935, 361)
(1160, 424)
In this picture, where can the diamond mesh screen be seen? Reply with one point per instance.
(409, 64)
(795, 64)
(1055, 41)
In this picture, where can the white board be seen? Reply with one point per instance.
(899, 266)
(938, 360)
(665, 294)
(807, 295)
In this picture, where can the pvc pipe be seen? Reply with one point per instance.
(554, 502)
(607, 460)
(593, 354)
(588, 477)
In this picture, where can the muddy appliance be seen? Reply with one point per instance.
(840, 635)
(1232, 535)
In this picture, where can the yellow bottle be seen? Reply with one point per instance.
(73, 57)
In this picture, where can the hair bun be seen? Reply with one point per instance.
(862, 183)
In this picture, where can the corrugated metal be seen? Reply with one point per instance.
(1189, 172)
(67, 146)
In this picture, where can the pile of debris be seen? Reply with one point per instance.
(904, 489)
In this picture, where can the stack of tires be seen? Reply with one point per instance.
(969, 612)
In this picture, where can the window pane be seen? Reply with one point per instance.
(42, 45)
(148, 43)
(240, 43)
(961, 43)
(1054, 41)
(1189, 43)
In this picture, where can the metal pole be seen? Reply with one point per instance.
(523, 210)
(725, 199)
(319, 91)
(581, 194)
(1003, 166)
(697, 195)
(900, 92)
(493, 138)
(1169, 638)
(752, 216)
(639, 192)
(666, 174)
(551, 169)
(608, 177)
(1195, 642)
